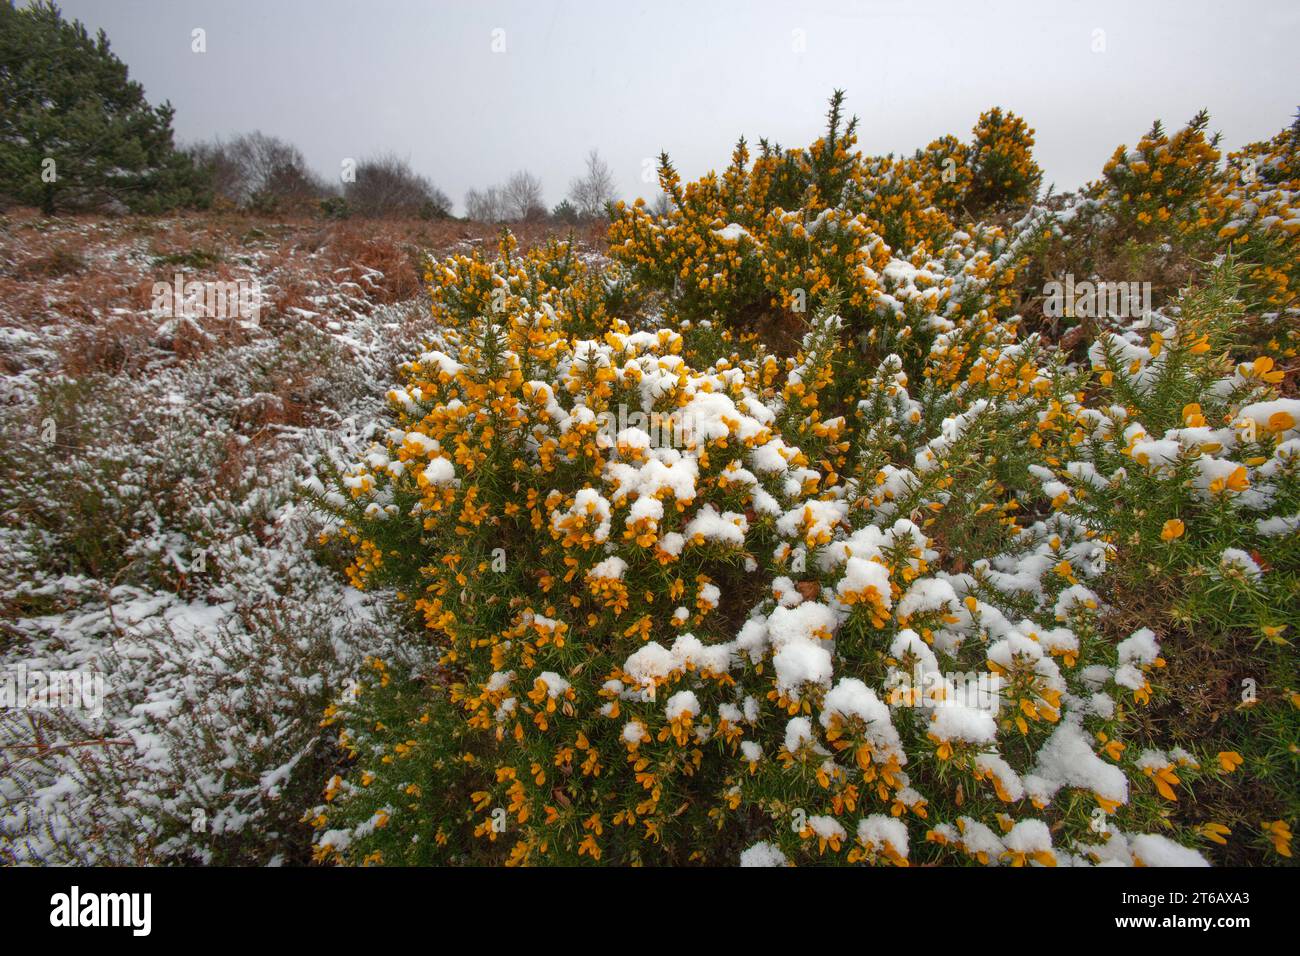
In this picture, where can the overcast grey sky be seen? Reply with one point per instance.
(349, 78)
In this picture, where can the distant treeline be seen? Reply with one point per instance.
(265, 174)
(76, 134)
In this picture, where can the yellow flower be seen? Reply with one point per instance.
(1274, 632)
(1110, 806)
(1280, 834)
(1262, 368)
(1229, 760)
(1165, 780)
(1215, 832)
(1173, 529)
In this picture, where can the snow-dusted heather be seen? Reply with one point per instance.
(155, 533)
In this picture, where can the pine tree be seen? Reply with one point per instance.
(75, 132)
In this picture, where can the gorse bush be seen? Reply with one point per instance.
(783, 231)
(914, 593)
(1167, 206)
(1004, 172)
(1164, 182)
(1250, 210)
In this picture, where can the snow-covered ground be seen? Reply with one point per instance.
(154, 532)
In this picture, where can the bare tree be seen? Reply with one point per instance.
(222, 172)
(387, 186)
(484, 206)
(257, 169)
(522, 197)
(590, 192)
(272, 168)
(289, 183)
(518, 200)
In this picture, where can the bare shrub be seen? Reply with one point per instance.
(386, 185)
(258, 171)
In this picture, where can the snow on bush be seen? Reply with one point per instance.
(865, 612)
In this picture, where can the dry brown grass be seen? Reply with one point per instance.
(111, 262)
(94, 275)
